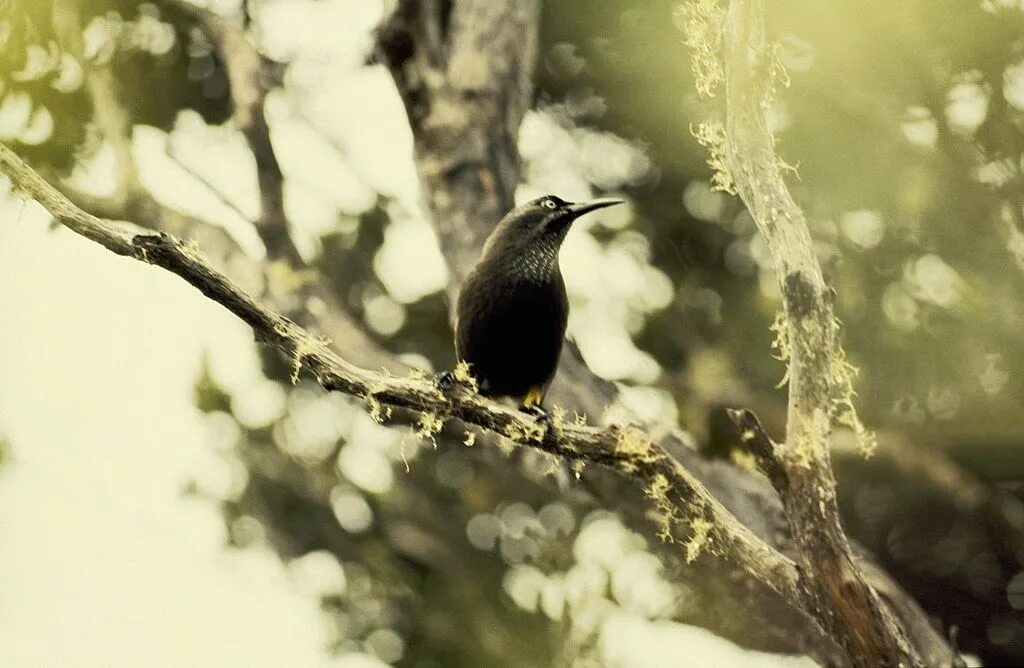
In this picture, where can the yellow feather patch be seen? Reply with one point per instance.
(534, 396)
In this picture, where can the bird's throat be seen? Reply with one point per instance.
(538, 263)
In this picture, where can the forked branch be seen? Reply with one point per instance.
(832, 584)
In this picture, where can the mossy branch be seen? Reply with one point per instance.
(833, 587)
(674, 490)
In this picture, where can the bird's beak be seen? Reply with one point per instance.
(580, 208)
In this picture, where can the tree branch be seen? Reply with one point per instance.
(465, 123)
(933, 649)
(246, 68)
(679, 495)
(131, 200)
(832, 585)
(248, 78)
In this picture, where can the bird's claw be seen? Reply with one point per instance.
(445, 381)
(538, 413)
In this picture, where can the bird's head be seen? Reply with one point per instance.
(540, 224)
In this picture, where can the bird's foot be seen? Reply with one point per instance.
(538, 413)
(445, 381)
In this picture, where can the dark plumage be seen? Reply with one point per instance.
(512, 308)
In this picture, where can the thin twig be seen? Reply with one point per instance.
(246, 68)
(131, 200)
(210, 186)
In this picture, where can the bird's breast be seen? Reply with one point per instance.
(511, 323)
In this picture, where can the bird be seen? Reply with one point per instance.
(512, 308)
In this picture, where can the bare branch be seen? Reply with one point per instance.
(674, 490)
(109, 115)
(925, 640)
(131, 200)
(465, 79)
(465, 122)
(246, 70)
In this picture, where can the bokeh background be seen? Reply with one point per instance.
(169, 497)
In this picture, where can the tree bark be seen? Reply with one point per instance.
(832, 585)
(464, 69)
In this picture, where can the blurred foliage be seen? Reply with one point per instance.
(905, 121)
(163, 65)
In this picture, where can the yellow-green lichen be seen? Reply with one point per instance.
(711, 135)
(417, 373)
(303, 348)
(633, 444)
(524, 431)
(657, 490)
(780, 344)
(428, 425)
(702, 21)
(843, 411)
(378, 411)
(558, 416)
(665, 512)
(406, 439)
(700, 538)
(701, 528)
(464, 375)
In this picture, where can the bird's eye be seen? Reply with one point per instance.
(548, 204)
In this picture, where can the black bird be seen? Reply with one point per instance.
(512, 308)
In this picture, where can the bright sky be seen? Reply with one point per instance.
(103, 561)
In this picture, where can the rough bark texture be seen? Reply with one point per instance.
(675, 491)
(832, 585)
(464, 70)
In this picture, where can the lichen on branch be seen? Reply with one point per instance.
(702, 25)
(625, 450)
(743, 159)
